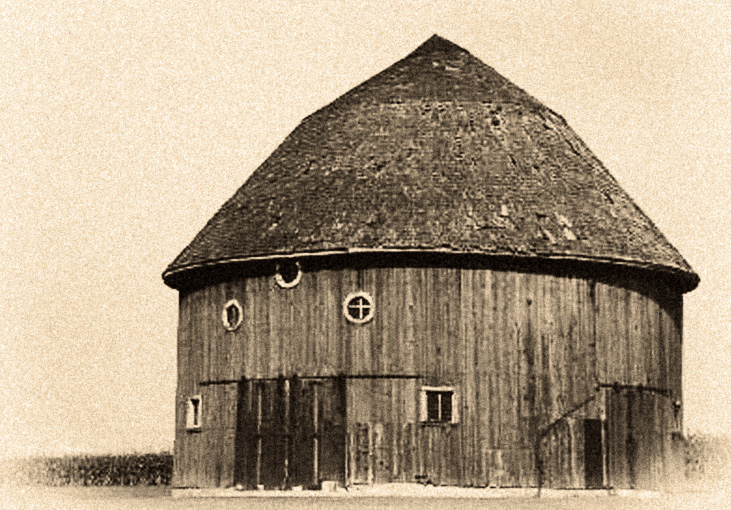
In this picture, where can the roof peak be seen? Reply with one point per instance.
(437, 70)
(437, 43)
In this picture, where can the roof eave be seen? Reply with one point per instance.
(687, 280)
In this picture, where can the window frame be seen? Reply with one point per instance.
(371, 311)
(193, 412)
(424, 408)
(224, 314)
(280, 279)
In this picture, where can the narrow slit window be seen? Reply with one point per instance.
(232, 313)
(193, 418)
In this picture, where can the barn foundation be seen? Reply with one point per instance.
(396, 490)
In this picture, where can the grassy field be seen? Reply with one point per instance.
(158, 498)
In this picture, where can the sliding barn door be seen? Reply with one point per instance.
(639, 435)
(290, 432)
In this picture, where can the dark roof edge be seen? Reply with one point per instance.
(687, 280)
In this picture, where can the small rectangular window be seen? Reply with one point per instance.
(193, 416)
(437, 404)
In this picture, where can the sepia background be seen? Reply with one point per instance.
(125, 125)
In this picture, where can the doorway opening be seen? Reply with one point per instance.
(593, 454)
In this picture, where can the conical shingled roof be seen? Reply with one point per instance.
(436, 153)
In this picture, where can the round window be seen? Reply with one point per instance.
(288, 274)
(232, 315)
(358, 307)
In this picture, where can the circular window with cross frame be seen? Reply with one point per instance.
(358, 307)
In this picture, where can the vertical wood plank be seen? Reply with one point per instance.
(333, 409)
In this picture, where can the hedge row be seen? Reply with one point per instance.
(142, 469)
(706, 458)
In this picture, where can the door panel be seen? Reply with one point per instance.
(290, 432)
(272, 434)
(301, 465)
(638, 431)
(247, 436)
(331, 429)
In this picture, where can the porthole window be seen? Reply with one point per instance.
(288, 274)
(358, 307)
(232, 315)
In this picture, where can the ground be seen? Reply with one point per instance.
(144, 498)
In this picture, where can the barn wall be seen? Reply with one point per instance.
(523, 349)
(640, 447)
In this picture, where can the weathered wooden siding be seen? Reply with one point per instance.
(382, 414)
(640, 436)
(523, 349)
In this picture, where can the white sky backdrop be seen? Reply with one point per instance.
(125, 125)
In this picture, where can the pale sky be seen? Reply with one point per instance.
(125, 125)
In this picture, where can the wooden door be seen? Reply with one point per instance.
(637, 438)
(261, 435)
(273, 434)
(290, 432)
(329, 403)
(302, 469)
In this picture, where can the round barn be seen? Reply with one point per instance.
(431, 280)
